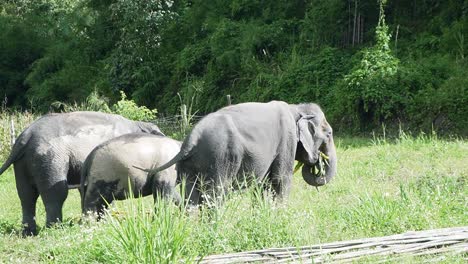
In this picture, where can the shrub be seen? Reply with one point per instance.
(130, 110)
(95, 102)
(370, 92)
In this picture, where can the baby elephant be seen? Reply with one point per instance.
(112, 165)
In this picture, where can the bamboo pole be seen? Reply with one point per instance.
(418, 243)
(12, 132)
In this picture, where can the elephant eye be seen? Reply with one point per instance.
(312, 127)
(327, 131)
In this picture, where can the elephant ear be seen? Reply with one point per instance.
(149, 128)
(306, 130)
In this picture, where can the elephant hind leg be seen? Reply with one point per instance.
(191, 191)
(217, 183)
(53, 198)
(28, 195)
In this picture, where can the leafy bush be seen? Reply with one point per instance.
(440, 99)
(370, 92)
(94, 102)
(130, 110)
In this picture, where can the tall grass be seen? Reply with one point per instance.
(143, 233)
(12, 123)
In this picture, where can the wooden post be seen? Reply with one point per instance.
(12, 132)
(183, 112)
(228, 97)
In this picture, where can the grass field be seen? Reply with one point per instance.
(383, 187)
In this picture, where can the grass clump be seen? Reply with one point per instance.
(141, 233)
(247, 220)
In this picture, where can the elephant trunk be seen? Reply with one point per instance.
(315, 178)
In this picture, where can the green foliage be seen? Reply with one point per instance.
(440, 93)
(371, 93)
(139, 32)
(94, 102)
(130, 110)
(20, 46)
(323, 24)
(253, 50)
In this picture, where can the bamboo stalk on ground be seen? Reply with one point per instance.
(418, 243)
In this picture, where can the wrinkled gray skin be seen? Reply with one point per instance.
(260, 139)
(113, 164)
(48, 156)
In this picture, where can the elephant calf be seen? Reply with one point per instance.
(111, 166)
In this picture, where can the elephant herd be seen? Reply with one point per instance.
(108, 155)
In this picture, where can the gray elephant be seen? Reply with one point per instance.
(112, 165)
(48, 156)
(260, 139)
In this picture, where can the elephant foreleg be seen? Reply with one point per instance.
(281, 177)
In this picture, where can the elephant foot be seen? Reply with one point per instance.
(29, 230)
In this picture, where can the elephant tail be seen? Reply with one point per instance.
(7, 164)
(180, 156)
(84, 176)
(17, 151)
(184, 153)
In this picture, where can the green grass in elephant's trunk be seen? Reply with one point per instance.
(319, 173)
(319, 168)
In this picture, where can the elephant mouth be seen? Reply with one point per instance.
(320, 172)
(318, 169)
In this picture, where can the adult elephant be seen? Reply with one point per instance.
(113, 165)
(260, 139)
(48, 156)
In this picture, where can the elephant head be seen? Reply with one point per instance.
(150, 128)
(315, 148)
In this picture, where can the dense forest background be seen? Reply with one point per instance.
(366, 62)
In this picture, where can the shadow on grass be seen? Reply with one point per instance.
(347, 142)
(9, 228)
(383, 138)
(13, 228)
